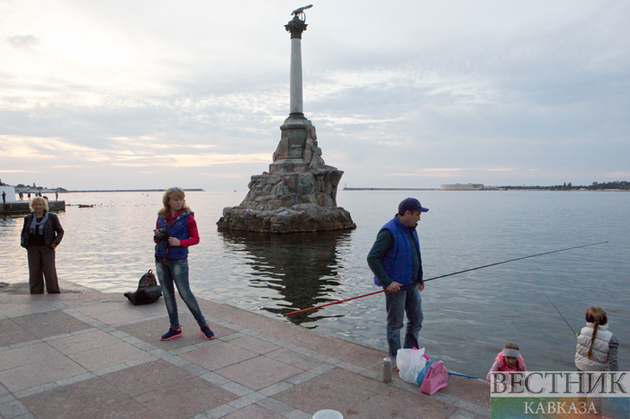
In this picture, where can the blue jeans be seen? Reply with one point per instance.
(171, 271)
(397, 303)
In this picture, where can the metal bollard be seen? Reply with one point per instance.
(387, 370)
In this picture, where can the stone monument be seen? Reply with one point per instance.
(300, 191)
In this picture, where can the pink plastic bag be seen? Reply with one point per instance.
(435, 378)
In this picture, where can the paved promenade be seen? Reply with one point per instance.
(92, 355)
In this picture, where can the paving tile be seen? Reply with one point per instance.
(147, 377)
(310, 374)
(297, 414)
(337, 348)
(259, 372)
(51, 323)
(31, 354)
(218, 356)
(93, 399)
(12, 333)
(275, 406)
(36, 374)
(83, 342)
(104, 307)
(397, 403)
(217, 412)
(12, 409)
(35, 390)
(237, 389)
(128, 312)
(247, 400)
(107, 356)
(337, 389)
(254, 411)
(12, 308)
(185, 399)
(255, 345)
(295, 359)
(275, 388)
(467, 389)
(150, 331)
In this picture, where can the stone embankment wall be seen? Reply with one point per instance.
(22, 208)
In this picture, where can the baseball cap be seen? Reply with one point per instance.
(411, 204)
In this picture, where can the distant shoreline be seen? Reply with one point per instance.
(131, 190)
(391, 189)
(500, 189)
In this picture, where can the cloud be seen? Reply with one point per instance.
(34, 150)
(481, 92)
(26, 42)
(439, 172)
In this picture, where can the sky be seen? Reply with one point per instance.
(151, 94)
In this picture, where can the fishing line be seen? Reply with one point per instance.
(451, 274)
(554, 306)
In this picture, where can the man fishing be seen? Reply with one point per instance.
(396, 263)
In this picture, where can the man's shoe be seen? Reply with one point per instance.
(172, 333)
(207, 333)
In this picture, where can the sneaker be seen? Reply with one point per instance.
(172, 333)
(207, 333)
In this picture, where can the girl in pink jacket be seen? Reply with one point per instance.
(508, 360)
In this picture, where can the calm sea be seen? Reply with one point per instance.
(468, 317)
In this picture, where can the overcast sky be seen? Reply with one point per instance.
(151, 94)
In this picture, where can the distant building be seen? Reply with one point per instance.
(462, 187)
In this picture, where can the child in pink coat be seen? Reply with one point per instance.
(508, 360)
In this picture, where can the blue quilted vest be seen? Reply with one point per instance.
(179, 230)
(398, 262)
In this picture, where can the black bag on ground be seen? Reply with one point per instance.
(148, 291)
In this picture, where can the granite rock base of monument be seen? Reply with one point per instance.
(288, 201)
(299, 218)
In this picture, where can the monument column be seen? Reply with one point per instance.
(296, 27)
(289, 156)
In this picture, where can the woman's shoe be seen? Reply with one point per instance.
(207, 333)
(172, 333)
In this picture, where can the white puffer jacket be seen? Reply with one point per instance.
(599, 358)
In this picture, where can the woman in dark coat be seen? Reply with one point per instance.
(41, 234)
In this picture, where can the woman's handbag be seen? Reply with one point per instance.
(148, 291)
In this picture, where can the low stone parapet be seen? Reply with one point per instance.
(22, 208)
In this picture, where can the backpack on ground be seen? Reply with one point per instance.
(148, 291)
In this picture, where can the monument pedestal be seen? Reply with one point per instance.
(290, 201)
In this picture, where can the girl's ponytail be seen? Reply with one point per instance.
(598, 317)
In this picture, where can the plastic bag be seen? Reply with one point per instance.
(410, 362)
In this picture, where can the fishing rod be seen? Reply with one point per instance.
(444, 276)
(462, 375)
(554, 306)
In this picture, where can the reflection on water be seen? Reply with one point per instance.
(302, 268)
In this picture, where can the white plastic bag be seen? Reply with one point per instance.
(409, 363)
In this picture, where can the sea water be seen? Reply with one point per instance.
(467, 317)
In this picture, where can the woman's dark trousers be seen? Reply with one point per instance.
(41, 263)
